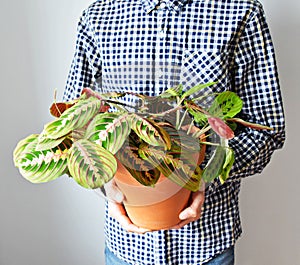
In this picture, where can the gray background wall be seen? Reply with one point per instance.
(60, 223)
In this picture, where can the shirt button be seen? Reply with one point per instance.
(159, 73)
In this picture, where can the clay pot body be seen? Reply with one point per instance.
(153, 208)
(156, 207)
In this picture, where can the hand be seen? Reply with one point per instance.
(111, 191)
(116, 208)
(117, 211)
(192, 212)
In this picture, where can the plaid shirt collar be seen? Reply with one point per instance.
(150, 5)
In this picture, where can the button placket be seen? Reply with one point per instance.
(161, 34)
(161, 22)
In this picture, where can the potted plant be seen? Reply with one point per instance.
(97, 138)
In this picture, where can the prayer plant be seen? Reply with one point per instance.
(89, 134)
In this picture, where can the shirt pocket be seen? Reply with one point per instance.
(204, 66)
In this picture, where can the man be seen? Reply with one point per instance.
(148, 46)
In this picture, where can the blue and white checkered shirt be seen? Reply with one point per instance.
(146, 47)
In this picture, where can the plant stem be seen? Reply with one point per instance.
(182, 119)
(190, 127)
(178, 107)
(201, 131)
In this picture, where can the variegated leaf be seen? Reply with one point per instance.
(91, 165)
(220, 127)
(196, 89)
(196, 112)
(179, 167)
(181, 138)
(75, 117)
(215, 165)
(226, 105)
(21, 146)
(45, 143)
(139, 168)
(78, 134)
(229, 160)
(57, 108)
(109, 130)
(149, 132)
(155, 105)
(172, 92)
(41, 166)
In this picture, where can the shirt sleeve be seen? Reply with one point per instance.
(86, 64)
(255, 80)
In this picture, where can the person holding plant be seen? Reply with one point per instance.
(149, 46)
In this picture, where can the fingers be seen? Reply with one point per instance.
(112, 191)
(117, 211)
(192, 212)
(189, 214)
(116, 208)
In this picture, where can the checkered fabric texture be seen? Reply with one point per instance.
(146, 46)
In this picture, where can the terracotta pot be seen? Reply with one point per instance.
(156, 207)
(152, 207)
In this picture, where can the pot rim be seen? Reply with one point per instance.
(139, 195)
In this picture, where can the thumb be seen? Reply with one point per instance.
(113, 192)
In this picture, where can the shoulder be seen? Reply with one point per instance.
(96, 12)
(244, 10)
(234, 4)
(102, 9)
(252, 5)
(95, 7)
(249, 5)
(99, 6)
